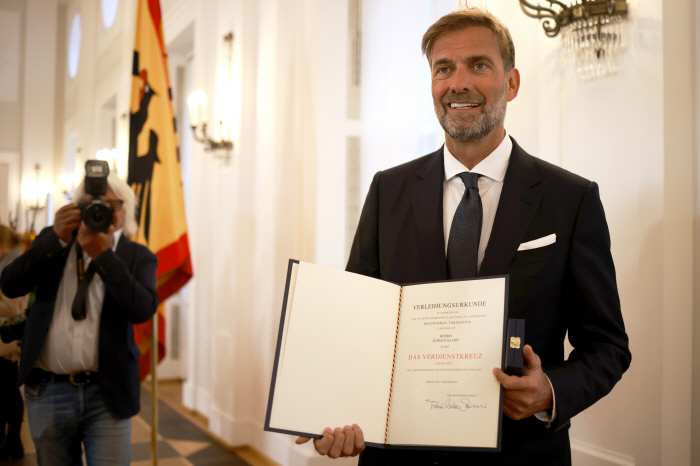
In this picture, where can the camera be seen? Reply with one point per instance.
(97, 214)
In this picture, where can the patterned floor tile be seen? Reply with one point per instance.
(165, 462)
(142, 451)
(140, 430)
(182, 437)
(171, 424)
(187, 447)
(216, 455)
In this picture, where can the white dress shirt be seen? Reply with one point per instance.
(71, 345)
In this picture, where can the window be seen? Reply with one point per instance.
(109, 12)
(74, 46)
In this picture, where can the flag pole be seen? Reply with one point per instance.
(154, 390)
(156, 169)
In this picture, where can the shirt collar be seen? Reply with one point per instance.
(117, 237)
(493, 166)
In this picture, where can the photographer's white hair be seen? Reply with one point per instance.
(124, 192)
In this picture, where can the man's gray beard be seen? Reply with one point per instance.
(472, 127)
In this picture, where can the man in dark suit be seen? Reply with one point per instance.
(79, 361)
(540, 224)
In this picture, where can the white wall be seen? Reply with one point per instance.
(611, 131)
(282, 194)
(630, 134)
(695, 428)
(254, 213)
(37, 97)
(678, 115)
(11, 53)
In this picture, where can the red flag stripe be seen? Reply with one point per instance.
(154, 9)
(174, 256)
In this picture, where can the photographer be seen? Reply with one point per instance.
(79, 361)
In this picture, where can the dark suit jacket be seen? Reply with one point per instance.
(129, 275)
(566, 286)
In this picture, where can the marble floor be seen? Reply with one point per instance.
(182, 437)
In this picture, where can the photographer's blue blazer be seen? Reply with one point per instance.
(129, 275)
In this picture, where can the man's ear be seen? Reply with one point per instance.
(513, 83)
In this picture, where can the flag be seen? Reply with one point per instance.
(154, 170)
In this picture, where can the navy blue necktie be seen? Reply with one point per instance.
(79, 308)
(465, 233)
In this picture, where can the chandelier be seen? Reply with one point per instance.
(593, 32)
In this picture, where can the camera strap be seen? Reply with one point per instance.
(79, 261)
(80, 302)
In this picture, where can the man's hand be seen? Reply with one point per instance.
(67, 220)
(529, 394)
(346, 441)
(95, 244)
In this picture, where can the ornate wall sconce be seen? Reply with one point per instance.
(34, 200)
(68, 182)
(594, 32)
(197, 103)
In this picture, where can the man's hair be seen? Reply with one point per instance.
(464, 19)
(124, 192)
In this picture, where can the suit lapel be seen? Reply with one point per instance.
(121, 245)
(426, 194)
(122, 251)
(517, 206)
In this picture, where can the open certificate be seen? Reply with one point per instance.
(411, 365)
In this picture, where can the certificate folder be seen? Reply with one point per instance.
(411, 365)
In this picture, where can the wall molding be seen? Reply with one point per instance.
(196, 398)
(233, 431)
(178, 17)
(599, 456)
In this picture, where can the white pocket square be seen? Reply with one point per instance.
(539, 242)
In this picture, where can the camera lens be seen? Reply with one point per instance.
(98, 216)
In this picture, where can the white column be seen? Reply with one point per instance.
(38, 94)
(676, 352)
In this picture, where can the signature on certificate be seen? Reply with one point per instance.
(461, 405)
